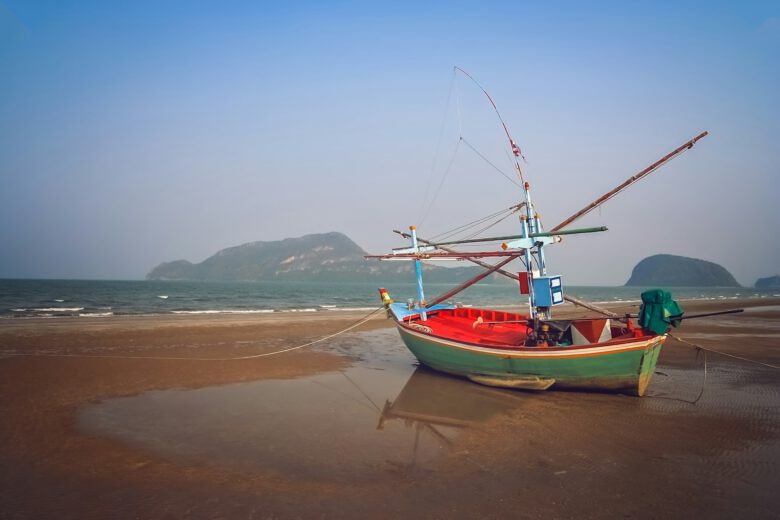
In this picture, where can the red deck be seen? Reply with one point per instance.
(459, 324)
(496, 329)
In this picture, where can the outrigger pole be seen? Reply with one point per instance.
(515, 237)
(468, 283)
(628, 182)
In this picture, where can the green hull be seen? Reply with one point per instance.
(625, 367)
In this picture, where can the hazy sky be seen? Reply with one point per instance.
(135, 132)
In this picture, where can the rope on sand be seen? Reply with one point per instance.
(678, 338)
(704, 381)
(700, 348)
(355, 325)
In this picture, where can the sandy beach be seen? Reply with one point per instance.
(74, 443)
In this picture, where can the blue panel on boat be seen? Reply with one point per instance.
(548, 291)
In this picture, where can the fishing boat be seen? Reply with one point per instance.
(532, 350)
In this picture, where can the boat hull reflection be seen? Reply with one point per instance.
(438, 399)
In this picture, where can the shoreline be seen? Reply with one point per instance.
(79, 307)
(322, 314)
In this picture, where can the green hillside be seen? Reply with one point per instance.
(327, 256)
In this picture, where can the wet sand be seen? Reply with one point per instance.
(350, 429)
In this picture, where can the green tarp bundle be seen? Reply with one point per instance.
(658, 311)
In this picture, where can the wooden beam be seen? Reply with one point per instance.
(469, 283)
(631, 180)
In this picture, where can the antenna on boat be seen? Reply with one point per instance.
(516, 152)
(530, 221)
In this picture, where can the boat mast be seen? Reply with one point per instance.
(525, 220)
(532, 227)
(418, 272)
(530, 221)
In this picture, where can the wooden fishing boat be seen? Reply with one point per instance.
(499, 348)
(532, 351)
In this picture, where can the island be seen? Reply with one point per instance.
(770, 282)
(680, 271)
(324, 256)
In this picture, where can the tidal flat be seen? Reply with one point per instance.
(353, 428)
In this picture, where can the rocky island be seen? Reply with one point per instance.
(770, 282)
(680, 271)
(325, 256)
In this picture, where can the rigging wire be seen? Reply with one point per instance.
(457, 104)
(495, 223)
(462, 228)
(441, 183)
(454, 85)
(452, 233)
(515, 149)
(438, 147)
(499, 170)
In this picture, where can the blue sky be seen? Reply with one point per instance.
(141, 132)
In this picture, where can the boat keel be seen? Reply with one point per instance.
(520, 383)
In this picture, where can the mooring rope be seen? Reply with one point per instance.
(355, 325)
(678, 338)
(704, 380)
(705, 350)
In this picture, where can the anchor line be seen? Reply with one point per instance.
(701, 390)
(769, 365)
(704, 381)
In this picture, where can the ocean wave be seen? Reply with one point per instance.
(58, 309)
(227, 311)
(95, 314)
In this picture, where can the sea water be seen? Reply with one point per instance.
(106, 298)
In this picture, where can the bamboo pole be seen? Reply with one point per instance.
(601, 200)
(516, 237)
(468, 283)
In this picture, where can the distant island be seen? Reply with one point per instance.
(680, 271)
(770, 282)
(325, 256)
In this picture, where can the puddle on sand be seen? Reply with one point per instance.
(381, 414)
(384, 417)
